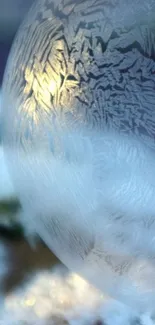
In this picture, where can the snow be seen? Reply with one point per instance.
(58, 297)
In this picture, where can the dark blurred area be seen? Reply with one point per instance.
(12, 13)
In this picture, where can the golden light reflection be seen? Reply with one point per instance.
(50, 84)
(53, 86)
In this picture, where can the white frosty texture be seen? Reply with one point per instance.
(76, 206)
(56, 297)
(6, 187)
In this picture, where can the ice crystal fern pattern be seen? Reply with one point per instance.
(78, 132)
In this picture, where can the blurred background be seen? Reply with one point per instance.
(12, 13)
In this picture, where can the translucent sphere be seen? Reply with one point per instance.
(79, 138)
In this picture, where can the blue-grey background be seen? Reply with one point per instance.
(12, 13)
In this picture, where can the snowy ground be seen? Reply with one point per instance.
(51, 298)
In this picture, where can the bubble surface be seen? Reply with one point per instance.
(78, 132)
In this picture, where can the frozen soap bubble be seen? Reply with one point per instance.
(79, 138)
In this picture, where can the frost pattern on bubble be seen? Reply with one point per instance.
(78, 130)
